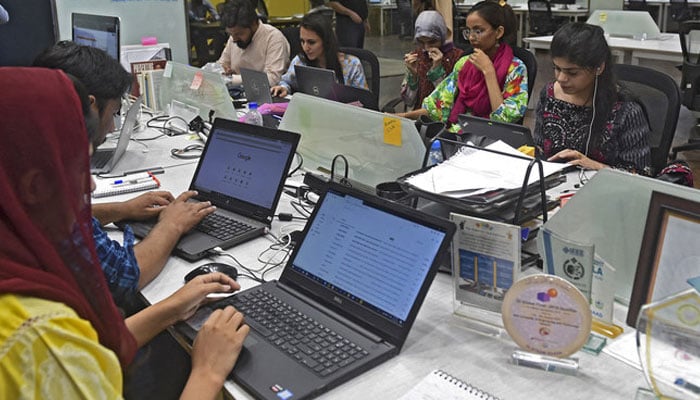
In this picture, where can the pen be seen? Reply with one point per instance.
(687, 385)
(152, 170)
(139, 178)
(131, 178)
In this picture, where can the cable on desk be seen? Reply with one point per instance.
(295, 169)
(184, 153)
(220, 252)
(164, 128)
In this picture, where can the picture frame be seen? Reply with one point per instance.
(670, 251)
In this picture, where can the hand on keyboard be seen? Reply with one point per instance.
(216, 348)
(183, 215)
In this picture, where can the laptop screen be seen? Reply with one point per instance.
(243, 166)
(363, 255)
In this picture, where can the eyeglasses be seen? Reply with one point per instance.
(467, 33)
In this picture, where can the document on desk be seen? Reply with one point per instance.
(471, 172)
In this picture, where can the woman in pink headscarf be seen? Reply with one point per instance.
(60, 333)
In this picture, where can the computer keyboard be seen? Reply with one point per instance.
(307, 341)
(222, 227)
(100, 158)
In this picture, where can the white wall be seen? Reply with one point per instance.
(164, 19)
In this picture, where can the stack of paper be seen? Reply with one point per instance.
(471, 172)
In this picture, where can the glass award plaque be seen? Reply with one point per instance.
(549, 319)
(668, 340)
(485, 263)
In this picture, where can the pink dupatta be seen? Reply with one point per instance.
(473, 96)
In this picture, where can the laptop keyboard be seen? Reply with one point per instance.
(305, 340)
(222, 227)
(100, 158)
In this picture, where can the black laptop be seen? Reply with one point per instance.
(320, 82)
(483, 131)
(104, 160)
(257, 87)
(350, 294)
(242, 172)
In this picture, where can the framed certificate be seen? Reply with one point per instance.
(670, 252)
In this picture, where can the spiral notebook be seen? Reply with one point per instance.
(440, 385)
(107, 187)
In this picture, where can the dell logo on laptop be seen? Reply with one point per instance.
(337, 299)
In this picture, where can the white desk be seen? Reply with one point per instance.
(438, 338)
(521, 11)
(629, 50)
(664, 11)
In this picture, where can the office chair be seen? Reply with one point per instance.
(637, 5)
(292, 35)
(530, 61)
(540, 19)
(661, 100)
(370, 65)
(690, 81)
(679, 10)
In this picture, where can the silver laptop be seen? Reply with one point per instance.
(242, 172)
(104, 160)
(257, 87)
(353, 288)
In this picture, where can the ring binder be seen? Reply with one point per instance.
(441, 385)
(105, 188)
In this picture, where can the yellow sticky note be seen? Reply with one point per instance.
(392, 131)
(603, 16)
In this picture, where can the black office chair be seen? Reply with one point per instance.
(661, 100)
(530, 62)
(637, 5)
(370, 65)
(690, 81)
(292, 35)
(541, 21)
(679, 10)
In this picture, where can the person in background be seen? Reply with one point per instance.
(61, 334)
(202, 11)
(351, 22)
(252, 44)
(128, 267)
(489, 83)
(320, 49)
(432, 60)
(4, 16)
(583, 117)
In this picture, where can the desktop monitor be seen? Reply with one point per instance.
(378, 147)
(188, 91)
(99, 31)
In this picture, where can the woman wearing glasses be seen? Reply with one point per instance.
(491, 82)
(583, 117)
(433, 58)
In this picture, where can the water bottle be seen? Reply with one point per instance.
(435, 156)
(253, 116)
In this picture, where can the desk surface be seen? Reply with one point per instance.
(439, 339)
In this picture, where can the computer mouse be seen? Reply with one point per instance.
(226, 269)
